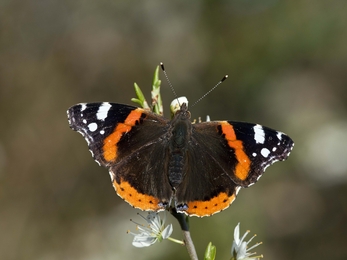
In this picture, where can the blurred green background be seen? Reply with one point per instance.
(287, 66)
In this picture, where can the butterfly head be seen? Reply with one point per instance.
(183, 113)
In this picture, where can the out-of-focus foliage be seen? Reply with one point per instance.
(287, 66)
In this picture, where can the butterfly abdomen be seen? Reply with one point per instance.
(181, 133)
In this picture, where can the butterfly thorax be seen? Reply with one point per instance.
(180, 136)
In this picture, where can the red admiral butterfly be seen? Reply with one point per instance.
(154, 162)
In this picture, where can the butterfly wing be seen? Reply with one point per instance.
(222, 157)
(262, 145)
(131, 142)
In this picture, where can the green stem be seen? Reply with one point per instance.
(176, 241)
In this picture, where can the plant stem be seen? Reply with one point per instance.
(182, 219)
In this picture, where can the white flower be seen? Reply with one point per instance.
(154, 230)
(177, 103)
(239, 250)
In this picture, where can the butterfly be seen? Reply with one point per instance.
(156, 163)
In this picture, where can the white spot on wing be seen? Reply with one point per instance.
(274, 149)
(259, 134)
(83, 106)
(279, 135)
(92, 127)
(265, 152)
(254, 154)
(84, 121)
(102, 132)
(103, 111)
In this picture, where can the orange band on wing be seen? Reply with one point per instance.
(110, 143)
(207, 208)
(134, 198)
(244, 163)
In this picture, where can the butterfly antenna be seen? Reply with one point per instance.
(208, 92)
(168, 81)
